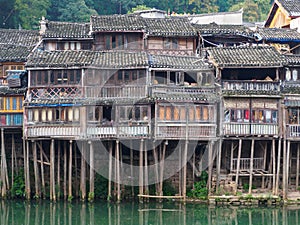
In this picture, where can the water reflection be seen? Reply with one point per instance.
(44, 213)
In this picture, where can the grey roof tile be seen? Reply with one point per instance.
(292, 60)
(14, 53)
(19, 37)
(67, 30)
(279, 34)
(255, 56)
(291, 6)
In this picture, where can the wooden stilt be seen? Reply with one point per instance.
(278, 167)
(70, 195)
(28, 191)
(36, 171)
(264, 165)
(131, 168)
(118, 170)
(43, 192)
(297, 165)
(52, 171)
(180, 171)
(288, 164)
(274, 166)
(13, 157)
(76, 171)
(65, 171)
(3, 166)
(92, 173)
(184, 169)
(58, 170)
(238, 163)
(251, 166)
(146, 172)
(219, 157)
(156, 168)
(162, 165)
(284, 170)
(141, 175)
(210, 166)
(231, 157)
(83, 172)
(109, 171)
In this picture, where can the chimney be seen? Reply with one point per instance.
(43, 25)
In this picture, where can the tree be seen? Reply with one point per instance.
(138, 8)
(29, 12)
(7, 14)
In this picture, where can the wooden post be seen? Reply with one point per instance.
(231, 157)
(58, 169)
(75, 171)
(288, 164)
(238, 163)
(146, 172)
(52, 172)
(118, 170)
(83, 172)
(162, 165)
(4, 178)
(70, 196)
(284, 169)
(155, 169)
(219, 157)
(184, 169)
(297, 166)
(274, 166)
(265, 163)
(36, 171)
(13, 156)
(210, 166)
(131, 168)
(42, 173)
(180, 171)
(141, 175)
(92, 173)
(28, 191)
(109, 171)
(65, 171)
(278, 166)
(251, 166)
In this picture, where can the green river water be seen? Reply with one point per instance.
(75, 213)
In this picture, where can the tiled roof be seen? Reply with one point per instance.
(291, 6)
(67, 30)
(185, 97)
(255, 56)
(177, 62)
(87, 58)
(223, 29)
(174, 26)
(14, 53)
(292, 59)
(5, 90)
(117, 23)
(19, 37)
(278, 34)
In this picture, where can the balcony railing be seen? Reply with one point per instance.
(293, 130)
(250, 129)
(125, 91)
(259, 86)
(55, 92)
(53, 131)
(182, 131)
(258, 164)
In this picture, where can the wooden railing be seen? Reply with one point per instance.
(52, 131)
(55, 92)
(250, 129)
(125, 91)
(181, 131)
(118, 132)
(258, 163)
(261, 85)
(293, 130)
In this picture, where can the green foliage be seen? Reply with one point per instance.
(200, 188)
(18, 188)
(246, 187)
(101, 186)
(138, 8)
(91, 196)
(168, 189)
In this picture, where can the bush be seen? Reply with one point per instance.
(200, 190)
(18, 188)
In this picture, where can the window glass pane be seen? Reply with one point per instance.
(14, 103)
(268, 116)
(50, 115)
(8, 106)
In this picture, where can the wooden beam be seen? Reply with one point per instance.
(92, 173)
(219, 157)
(278, 167)
(70, 195)
(210, 166)
(65, 171)
(118, 170)
(288, 164)
(297, 165)
(36, 172)
(284, 170)
(28, 190)
(109, 170)
(43, 192)
(52, 172)
(141, 174)
(274, 166)
(83, 172)
(184, 160)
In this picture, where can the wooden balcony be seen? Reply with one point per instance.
(118, 132)
(125, 91)
(56, 92)
(52, 131)
(259, 86)
(293, 131)
(258, 164)
(182, 131)
(238, 129)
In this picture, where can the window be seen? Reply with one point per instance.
(170, 43)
